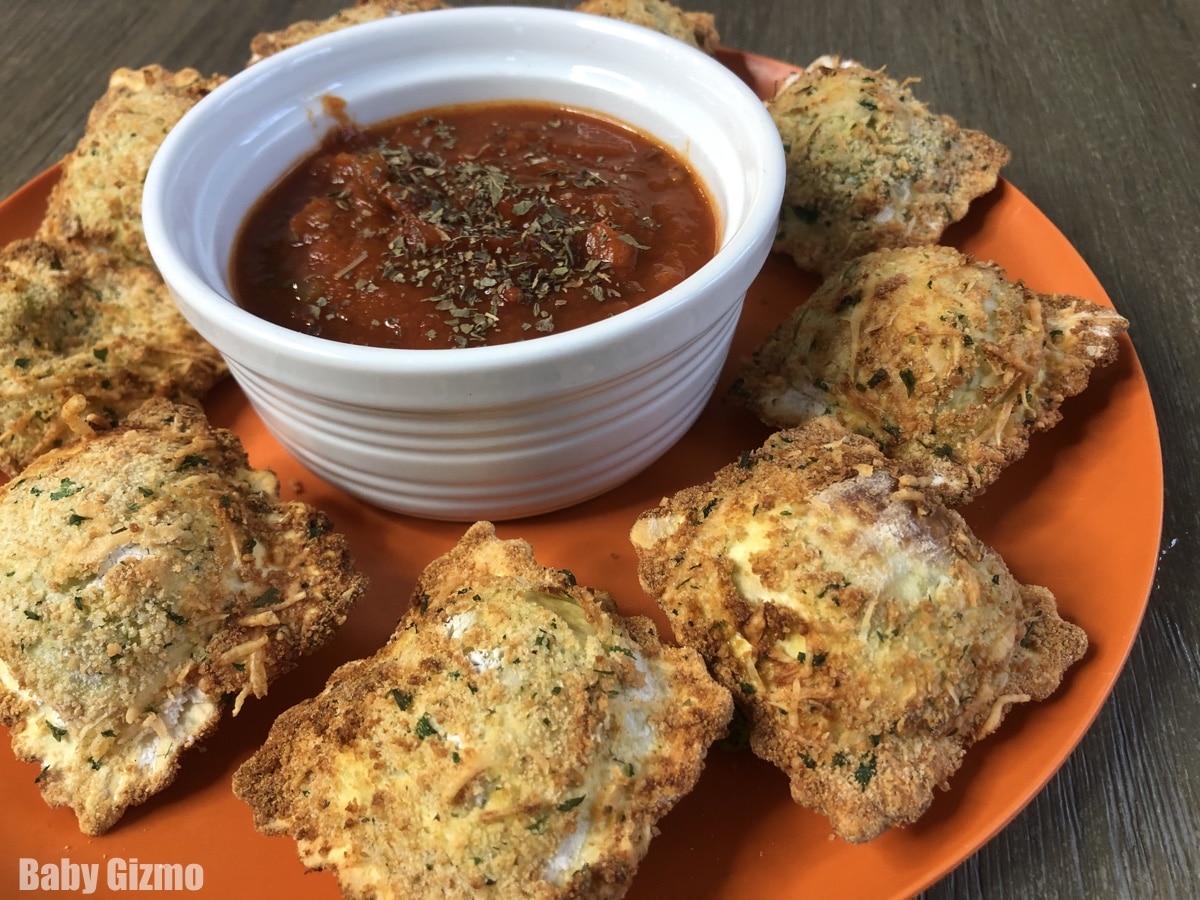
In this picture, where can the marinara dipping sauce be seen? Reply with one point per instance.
(467, 225)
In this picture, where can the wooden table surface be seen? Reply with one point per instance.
(1098, 100)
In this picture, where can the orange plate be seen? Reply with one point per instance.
(1081, 514)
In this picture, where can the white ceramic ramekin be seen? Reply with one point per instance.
(478, 432)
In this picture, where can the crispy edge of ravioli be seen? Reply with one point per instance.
(97, 201)
(86, 338)
(869, 166)
(152, 577)
(938, 357)
(698, 29)
(515, 735)
(868, 636)
(268, 43)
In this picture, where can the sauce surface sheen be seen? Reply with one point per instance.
(468, 225)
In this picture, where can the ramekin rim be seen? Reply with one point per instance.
(196, 294)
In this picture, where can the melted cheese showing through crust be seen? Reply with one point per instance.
(912, 576)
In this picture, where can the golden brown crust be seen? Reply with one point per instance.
(869, 166)
(514, 735)
(695, 28)
(97, 202)
(936, 356)
(151, 574)
(90, 334)
(867, 634)
(269, 43)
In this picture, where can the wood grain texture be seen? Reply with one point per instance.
(1099, 102)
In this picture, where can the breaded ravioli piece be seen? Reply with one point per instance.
(870, 166)
(867, 634)
(936, 356)
(515, 738)
(151, 577)
(696, 28)
(97, 201)
(89, 333)
(269, 43)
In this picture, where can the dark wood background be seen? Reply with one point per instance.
(1098, 100)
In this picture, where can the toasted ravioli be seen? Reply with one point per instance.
(515, 736)
(938, 357)
(98, 199)
(867, 634)
(696, 28)
(89, 333)
(869, 166)
(150, 572)
(269, 43)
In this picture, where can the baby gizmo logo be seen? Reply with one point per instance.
(119, 875)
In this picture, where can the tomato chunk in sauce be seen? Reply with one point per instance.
(468, 225)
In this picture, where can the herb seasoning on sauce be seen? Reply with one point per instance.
(480, 224)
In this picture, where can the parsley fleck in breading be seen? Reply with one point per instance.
(869, 166)
(867, 634)
(269, 43)
(150, 573)
(515, 736)
(97, 201)
(696, 28)
(940, 359)
(91, 333)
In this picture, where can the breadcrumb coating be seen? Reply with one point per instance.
(869, 637)
(695, 28)
(269, 43)
(97, 201)
(152, 580)
(936, 356)
(869, 166)
(86, 338)
(515, 736)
